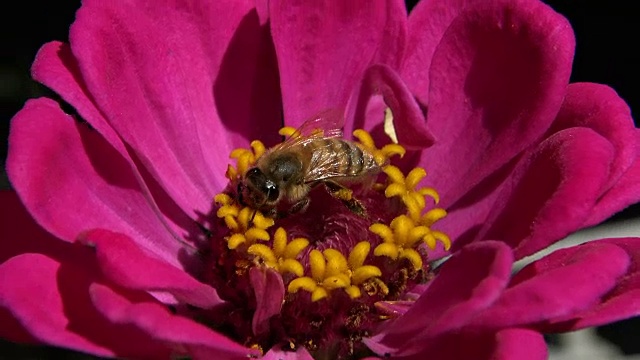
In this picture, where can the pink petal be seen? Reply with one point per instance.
(497, 80)
(269, 292)
(468, 282)
(49, 299)
(599, 108)
(71, 180)
(427, 23)
(563, 283)
(625, 192)
(522, 344)
(620, 302)
(125, 264)
(381, 80)
(56, 67)
(505, 344)
(153, 70)
(324, 47)
(277, 353)
(552, 192)
(186, 336)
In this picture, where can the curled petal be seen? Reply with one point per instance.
(599, 108)
(566, 282)
(496, 82)
(625, 192)
(562, 180)
(618, 303)
(381, 85)
(124, 263)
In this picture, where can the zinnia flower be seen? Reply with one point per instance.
(142, 248)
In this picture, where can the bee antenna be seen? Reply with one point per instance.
(254, 215)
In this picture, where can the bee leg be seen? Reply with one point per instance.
(297, 207)
(300, 206)
(345, 195)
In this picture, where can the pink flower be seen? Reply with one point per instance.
(121, 188)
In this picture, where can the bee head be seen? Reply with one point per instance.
(256, 190)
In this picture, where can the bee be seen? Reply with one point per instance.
(316, 154)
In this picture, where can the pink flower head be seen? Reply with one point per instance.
(125, 236)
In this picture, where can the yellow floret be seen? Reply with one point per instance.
(331, 270)
(246, 224)
(245, 158)
(381, 156)
(401, 238)
(281, 256)
(405, 188)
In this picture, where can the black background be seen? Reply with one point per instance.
(606, 53)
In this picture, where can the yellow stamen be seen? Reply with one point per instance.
(405, 188)
(223, 199)
(227, 210)
(414, 177)
(235, 240)
(254, 234)
(413, 256)
(365, 138)
(318, 294)
(287, 131)
(386, 249)
(443, 238)
(431, 192)
(403, 235)
(364, 273)
(295, 247)
(381, 156)
(291, 266)
(247, 225)
(281, 256)
(304, 283)
(353, 291)
(331, 270)
(359, 254)
(432, 216)
(317, 265)
(258, 148)
(263, 252)
(245, 158)
(336, 262)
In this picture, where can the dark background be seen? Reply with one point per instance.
(606, 53)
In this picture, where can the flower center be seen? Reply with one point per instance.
(320, 277)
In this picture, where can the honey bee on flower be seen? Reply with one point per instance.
(315, 154)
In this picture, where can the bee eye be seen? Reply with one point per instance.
(272, 190)
(253, 172)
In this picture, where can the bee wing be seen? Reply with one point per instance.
(327, 124)
(324, 165)
(333, 159)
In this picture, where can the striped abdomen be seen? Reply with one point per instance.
(337, 157)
